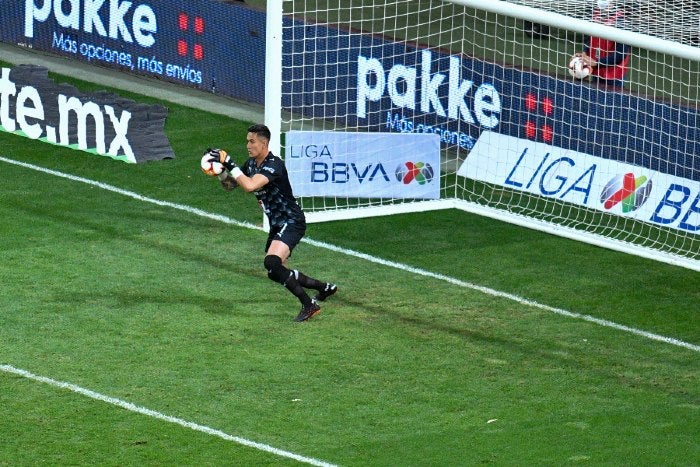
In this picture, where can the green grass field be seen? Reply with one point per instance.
(454, 339)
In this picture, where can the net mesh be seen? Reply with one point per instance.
(431, 66)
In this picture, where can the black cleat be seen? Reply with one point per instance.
(327, 292)
(308, 312)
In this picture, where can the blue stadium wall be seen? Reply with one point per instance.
(220, 47)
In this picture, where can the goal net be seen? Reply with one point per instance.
(392, 106)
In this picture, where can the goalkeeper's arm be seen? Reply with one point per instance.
(227, 181)
(233, 176)
(249, 184)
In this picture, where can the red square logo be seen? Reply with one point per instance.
(183, 22)
(199, 25)
(181, 48)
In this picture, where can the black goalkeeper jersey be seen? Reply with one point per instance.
(276, 198)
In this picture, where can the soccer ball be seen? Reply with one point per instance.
(211, 166)
(578, 68)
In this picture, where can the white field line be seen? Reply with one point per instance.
(157, 415)
(372, 259)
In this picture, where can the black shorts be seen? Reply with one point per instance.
(289, 234)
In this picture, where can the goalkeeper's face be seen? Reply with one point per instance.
(257, 146)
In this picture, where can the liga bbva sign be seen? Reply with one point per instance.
(363, 165)
(594, 182)
(34, 106)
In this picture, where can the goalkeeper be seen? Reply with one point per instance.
(608, 60)
(265, 175)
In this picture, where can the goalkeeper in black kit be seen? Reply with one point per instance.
(265, 175)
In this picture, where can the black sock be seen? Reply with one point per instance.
(278, 273)
(293, 285)
(309, 282)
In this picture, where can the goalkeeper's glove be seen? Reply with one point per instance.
(228, 163)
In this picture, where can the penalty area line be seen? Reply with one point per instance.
(157, 415)
(373, 259)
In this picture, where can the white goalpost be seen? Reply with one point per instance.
(393, 106)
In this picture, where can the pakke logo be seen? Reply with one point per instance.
(90, 18)
(626, 189)
(421, 172)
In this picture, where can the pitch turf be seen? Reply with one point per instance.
(161, 307)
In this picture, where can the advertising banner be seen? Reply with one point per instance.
(363, 165)
(585, 180)
(210, 45)
(360, 80)
(371, 82)
(34, 106)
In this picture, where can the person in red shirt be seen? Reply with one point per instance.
(609, 60)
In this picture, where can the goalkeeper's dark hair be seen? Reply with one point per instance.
(260, 130)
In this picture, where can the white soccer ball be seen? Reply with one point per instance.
(211, 166)
(578, 68)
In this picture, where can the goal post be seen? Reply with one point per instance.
(273, 65)
(520, 140)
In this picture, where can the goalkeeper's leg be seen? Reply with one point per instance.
(325, 289)
(280, 242)
(279, 247)
(278, 273)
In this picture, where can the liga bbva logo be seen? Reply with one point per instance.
(626, 189)
(419, 172)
